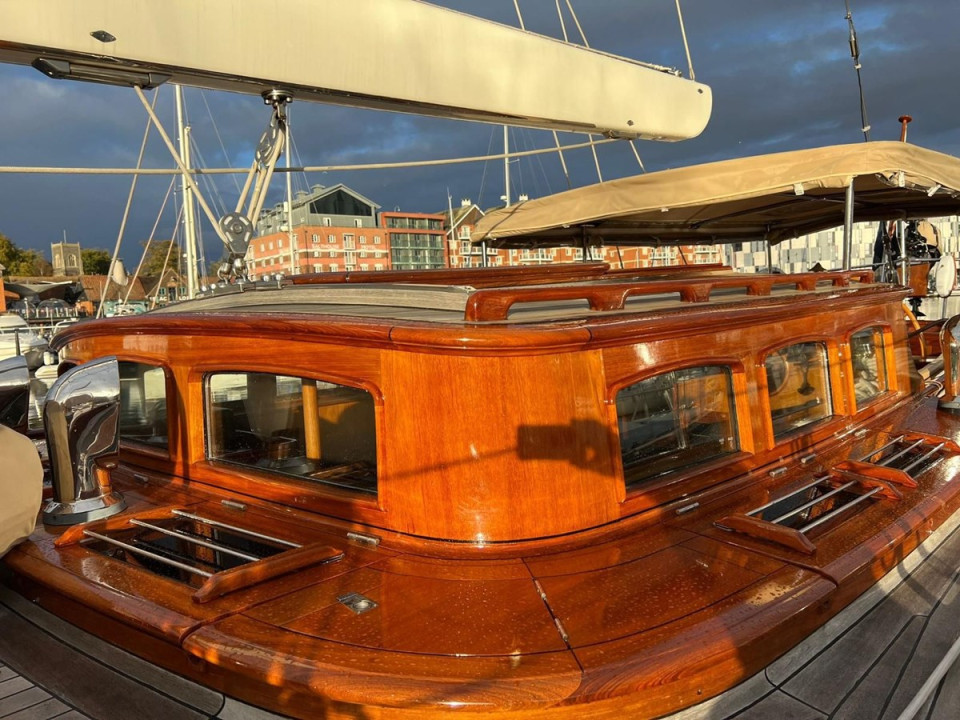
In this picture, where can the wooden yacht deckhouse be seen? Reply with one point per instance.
(566, 491)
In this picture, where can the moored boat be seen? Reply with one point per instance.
(570, 490)
(566, 491)
(17, 338)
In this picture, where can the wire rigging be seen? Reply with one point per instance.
(855, 54)
(686, 45)
(126, 211)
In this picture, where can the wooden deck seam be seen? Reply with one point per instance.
(24, 709)
(33, 685)
(861, 607)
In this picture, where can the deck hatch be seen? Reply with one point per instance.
(848, 487)
(213, 557)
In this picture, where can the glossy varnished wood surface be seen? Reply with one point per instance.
(515, 572)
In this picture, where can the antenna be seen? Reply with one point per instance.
(855, 54)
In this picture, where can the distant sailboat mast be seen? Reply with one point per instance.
(189, 222)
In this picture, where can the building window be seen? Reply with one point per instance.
(358, 222)
(280, 243)
(869, 364)
(331, 238)
(676, 420)
(316, 238)
(316, 268)
(334, 267)
(348, 241)
(798, 384)
(305, 429)
(327, 222)
(364, 266)
(378, 266)
(376, 239)
(363, 239)
(271, 244)
(143, 404)
(363, 254)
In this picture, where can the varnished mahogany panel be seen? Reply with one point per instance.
(681, 663)
(428, 615)
(614, 602)
(510, 448)
(608, 554)
(304, 675)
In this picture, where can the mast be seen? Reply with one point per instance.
(189, 223)
(294, 265)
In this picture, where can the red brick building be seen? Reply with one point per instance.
(334, 229)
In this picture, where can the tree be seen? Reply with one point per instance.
(22, 262)
(156, 259)
(95, 261)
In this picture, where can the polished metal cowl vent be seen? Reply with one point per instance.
(80, 418)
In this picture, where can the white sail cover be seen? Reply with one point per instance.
(402, 55)
(766, 197)
(21, 487)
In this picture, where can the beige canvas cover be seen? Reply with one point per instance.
(21, 487)
(772, 197)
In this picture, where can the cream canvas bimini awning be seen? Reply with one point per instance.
(767, 197)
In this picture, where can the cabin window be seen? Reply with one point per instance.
(798, 383)
(308, 429)
(143, 404)
(869, 365)
(675, 420)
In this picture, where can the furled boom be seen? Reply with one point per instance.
(402, 55)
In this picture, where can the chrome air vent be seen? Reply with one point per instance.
(828, 499)
(209, 555)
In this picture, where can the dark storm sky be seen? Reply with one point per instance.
(780, 71)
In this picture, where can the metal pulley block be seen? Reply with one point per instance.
(239, 231)
(271, 137)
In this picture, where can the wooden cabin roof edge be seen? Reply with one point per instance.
(512, 336)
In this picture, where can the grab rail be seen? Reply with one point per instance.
(491, 304)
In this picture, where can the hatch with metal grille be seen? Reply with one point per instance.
(828, 499)
(211, 556)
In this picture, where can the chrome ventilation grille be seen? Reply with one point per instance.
(830, 498)
(209, 555)
(910, 453)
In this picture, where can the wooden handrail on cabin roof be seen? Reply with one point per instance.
(493, 304)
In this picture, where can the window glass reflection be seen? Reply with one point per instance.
(676, 420)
